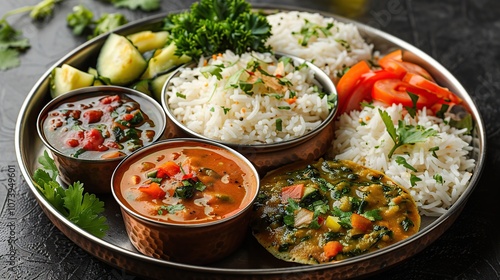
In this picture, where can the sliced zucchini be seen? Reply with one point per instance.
(148, 40)
(67, 78)
(120, 61)
(163, 60)
(156, 85)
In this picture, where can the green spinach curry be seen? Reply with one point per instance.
(331, 210)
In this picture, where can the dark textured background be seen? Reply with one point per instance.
(464, 36)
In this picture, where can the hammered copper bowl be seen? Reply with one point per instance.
(95, 174)
(186, 242)
(267, 157)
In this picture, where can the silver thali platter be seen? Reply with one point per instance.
(251, 261)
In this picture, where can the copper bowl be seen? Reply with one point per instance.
(189, 242)
(268, 156)
(95, 174)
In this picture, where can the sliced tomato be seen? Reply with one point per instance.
(391, 91)
(359, 222)
(349, 81)
(400, 68)
(293, 192)
(153, 190)
(394, 55)
(362, 92)
(332, 248)
(441, 92)
(168, 169)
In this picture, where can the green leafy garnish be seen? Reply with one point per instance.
(402, 161)
(144, 5)
(309, 30)
(465, 122)
(414, 179)
(438, 178)
(279, 124)
(214, 70)
(412, 110)
(171, 209)
(404, 134)
(83, 209)
(214, 26)
(80, 19)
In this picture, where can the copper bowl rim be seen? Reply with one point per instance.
(320, 76)
(166, 224)
(96, 89)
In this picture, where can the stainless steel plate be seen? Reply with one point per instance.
(251, 260)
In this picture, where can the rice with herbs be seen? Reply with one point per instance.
(329, 44)
(245, 105)
(443, 168)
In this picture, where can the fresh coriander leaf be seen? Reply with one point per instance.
(373, 215)
(43, 9)
(233, 80)
(442, 110)
(171, 209)
(49, 165)
(213, 70)
(412, 110)
(80, 20)
(226, 110)
(344, 217)
(407, 224)
(108, 22)
(402, 161)
(438, 178)
(82, 209)
(180, 95)
(145, 5)
(85, 209)
(279, 124)
(9, 58)
(465, 122)
(404, 134)
(414, 179)
(433, 150)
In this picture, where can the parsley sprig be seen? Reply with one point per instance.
(214, 26)
(405, 133)
(83, 209)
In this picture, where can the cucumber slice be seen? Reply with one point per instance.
(148, 40)
(143, 86)
(120, 61)
(163, 60)
(157, 85)
(97, 79)
(67, 78)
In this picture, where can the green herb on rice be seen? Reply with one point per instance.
(404, 134)
(310, 30)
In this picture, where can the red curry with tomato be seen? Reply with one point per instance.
(99, 127)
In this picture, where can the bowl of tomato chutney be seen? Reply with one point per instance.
(186, 200)
(90, 130)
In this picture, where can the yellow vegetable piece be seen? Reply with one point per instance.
(333, 223)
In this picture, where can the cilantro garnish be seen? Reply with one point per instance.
(412, 110)
(414, 179)
(310, 30)
(144, 5)
(83, 209)
(171, 209)
(402, 161)
(404, 134)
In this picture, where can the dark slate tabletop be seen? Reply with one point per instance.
(464, 36)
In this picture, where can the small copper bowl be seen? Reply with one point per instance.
(266, 157)
(95, 173)
(191, 241)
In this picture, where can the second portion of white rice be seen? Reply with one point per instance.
(341, 47)
(361, 136)
(208, 106)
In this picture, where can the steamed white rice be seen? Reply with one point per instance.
(208, 106)
(342, 47)
(361, 136)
